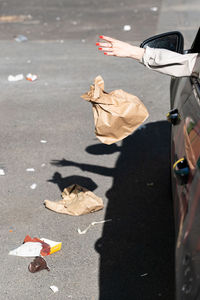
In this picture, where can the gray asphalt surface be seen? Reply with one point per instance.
(132, 256)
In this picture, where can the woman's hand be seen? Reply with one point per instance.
(113, 47)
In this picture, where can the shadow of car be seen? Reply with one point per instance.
(185, 166)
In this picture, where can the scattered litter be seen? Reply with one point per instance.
(15, 18)
(150, 184)
(10, 230)
(57, 18)
(28, 249)
(31, 77)
(127, 27)
(33, 186)
(48, 246)
(17, 77)
(43, 165)
(28, 61)
(83, 40)
(154, 8)
(54, 288)
(2, 172)
(76, 201)
(35, 247)
(143, 275)
(21, 38)
(54, 246)
(30, 170)
(92, 224)
(38, 264)
(43, 141)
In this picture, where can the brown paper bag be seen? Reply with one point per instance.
(117, 114)
(76, 201)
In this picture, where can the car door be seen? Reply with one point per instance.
(186, 185)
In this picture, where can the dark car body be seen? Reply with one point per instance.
(185, 167)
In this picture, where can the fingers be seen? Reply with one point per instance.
(109, 53)
(106, 49)
(103, 44)
(107, 38)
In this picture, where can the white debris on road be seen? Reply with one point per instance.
(30, 170)
(29, 249)
(154, 8)
(33, 186)
(13, 78)
(31, 77)
(21, 38)
(54, 288)
(92, 224)
(43, 141)
(2, 172)
(127, 27)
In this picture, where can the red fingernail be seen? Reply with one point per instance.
(101, 36)
(100, 48)
(105, 53)
(97, 44)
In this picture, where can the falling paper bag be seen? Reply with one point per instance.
(76, 201)
(116, 114)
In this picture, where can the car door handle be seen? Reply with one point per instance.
(173, 116)
(181, 170)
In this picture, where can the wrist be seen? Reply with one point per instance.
(137, 53)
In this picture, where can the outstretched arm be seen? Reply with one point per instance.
(160, 60)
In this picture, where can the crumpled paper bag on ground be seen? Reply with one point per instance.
(76, 201)
(116, 114)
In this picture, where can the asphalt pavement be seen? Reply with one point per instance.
(131, 257)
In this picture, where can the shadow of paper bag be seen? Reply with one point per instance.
(117, 114)
(76, 201)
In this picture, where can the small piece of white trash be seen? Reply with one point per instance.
(143, 275)
(30, 170)
(92, 224)
(29, 249)
(31, 77)
(127, 27)
(21, 38)
(43, 141)
(2, 172)
(154, 8)
(33, 186)
(13, 78)
(54, 288)
(43, 165)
